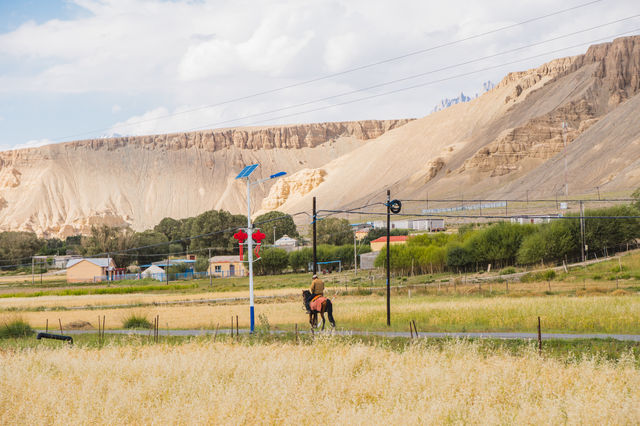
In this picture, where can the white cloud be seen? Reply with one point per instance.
(168, 56)
(33, 144)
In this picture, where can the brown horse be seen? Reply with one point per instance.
(326, 306)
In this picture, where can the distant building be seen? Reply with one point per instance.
(533, 219)
(226, 266)
(432, 224)
(55, 262)
(380, 243)
(362, 233)
(367, 259)
(287, 243)
(90, 270)
(155, 272)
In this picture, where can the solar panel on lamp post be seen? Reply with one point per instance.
(244, 174)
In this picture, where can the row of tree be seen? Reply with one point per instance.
(212, 229)
(275, 261)
(505, 244)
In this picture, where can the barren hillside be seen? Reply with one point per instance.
(506, 142)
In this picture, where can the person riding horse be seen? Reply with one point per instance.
(316, 289)
(316, 303)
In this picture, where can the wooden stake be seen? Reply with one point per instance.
(411, 329)
(237, 328)
(215, 335)
(46, 330)
(296, 333)
(60, 322)
(415, 328)
(231, 325)
(539, 338)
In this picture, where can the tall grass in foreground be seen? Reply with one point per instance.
(329, 382)
(15, 329)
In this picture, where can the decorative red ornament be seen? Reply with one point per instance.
(258, 236)
(241, 236)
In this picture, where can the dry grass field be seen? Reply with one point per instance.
(328, 382)
(559, 313)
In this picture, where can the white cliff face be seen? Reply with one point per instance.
(63, 189)
(292, 187)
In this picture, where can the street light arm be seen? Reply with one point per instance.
(276, 175)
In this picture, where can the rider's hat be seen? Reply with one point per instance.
(314, 276)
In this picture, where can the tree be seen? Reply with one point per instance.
(105, 240)
(334, 231)
(272, 261)
(214, 228)
(299, 259)
(282, 222)
(155, 246)
(17, 247)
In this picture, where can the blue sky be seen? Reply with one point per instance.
(76, 69)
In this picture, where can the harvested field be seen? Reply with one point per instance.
(209, 383)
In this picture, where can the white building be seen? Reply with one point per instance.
(432, 224)
(533, 219)
(286, 242)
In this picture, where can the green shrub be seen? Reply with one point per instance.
(16, 328)
(509, 270)
(136, 321)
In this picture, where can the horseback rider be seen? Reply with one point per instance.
(316, 289)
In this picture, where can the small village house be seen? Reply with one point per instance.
(226, 266)
(90, 270)
(381, 243)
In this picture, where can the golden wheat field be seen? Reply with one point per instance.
(327, 382)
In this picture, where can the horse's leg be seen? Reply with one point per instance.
(330, 313)
(322, 315)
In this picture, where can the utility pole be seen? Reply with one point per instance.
(167, 269)
(250, 257)
(355, 255)
(209, 268)
(388, 255)
(274, 235)
(564, 142)
(582, 230)
(315, 219)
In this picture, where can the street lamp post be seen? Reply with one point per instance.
(245, 173)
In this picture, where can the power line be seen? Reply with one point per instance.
(414, 76)
(344, 72)
(404, 89)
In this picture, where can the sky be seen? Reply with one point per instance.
(82, 69)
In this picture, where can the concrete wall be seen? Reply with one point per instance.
(84, 272)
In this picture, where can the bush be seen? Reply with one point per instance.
(509, 270)
(15, 329)
(272, 261)
(136, 321)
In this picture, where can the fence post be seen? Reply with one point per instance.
(539, 338)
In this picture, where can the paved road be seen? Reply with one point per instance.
(486, 335)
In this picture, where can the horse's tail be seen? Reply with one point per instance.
(330, 313)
